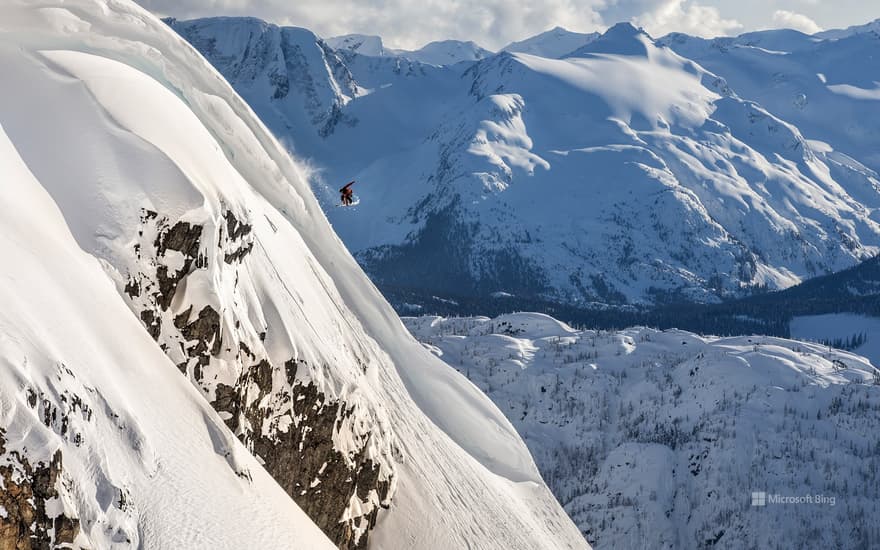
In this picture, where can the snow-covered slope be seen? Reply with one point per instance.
(440, 53)
(833, 34)
(659, 439)
(826, 88)
(358, 43)
(103, 444)
(145, 209)
(623, 172)
(554, 44)
(446, 52)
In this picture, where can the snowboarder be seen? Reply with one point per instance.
(346, 194)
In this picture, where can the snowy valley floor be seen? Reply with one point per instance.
(657, 439)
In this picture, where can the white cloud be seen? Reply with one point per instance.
(796, 21)
(494, 23)
(404, 23)
(687, 17)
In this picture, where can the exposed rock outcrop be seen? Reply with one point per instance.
(331, 455)
(300, 452)
(25, 521)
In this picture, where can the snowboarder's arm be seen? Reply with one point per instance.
(347, 185)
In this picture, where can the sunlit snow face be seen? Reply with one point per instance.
(625, 83)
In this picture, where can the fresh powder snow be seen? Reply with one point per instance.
(146, 210)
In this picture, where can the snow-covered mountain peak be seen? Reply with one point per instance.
(620, 82)
(288, 65)
(360, 43)
(555, 43)
(835, 34)
(439, 53)
(447, 52)
(779, 41)
(621, 39)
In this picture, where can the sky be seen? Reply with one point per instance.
(409, 24)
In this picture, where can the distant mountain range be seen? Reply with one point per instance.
(554, 43)
(631, 171)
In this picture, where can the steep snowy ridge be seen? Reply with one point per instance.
(156, 178)
(102, 443)
(660, 438)
(670, 182)
(264, 60)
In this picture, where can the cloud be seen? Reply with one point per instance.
(796, 21)
(494, 23)
(687, 17)
(404, 23)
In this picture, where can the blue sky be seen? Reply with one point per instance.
(494, 23)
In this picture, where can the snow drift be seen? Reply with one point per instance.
(151, 222)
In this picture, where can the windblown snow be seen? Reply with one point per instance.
(162, 253)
